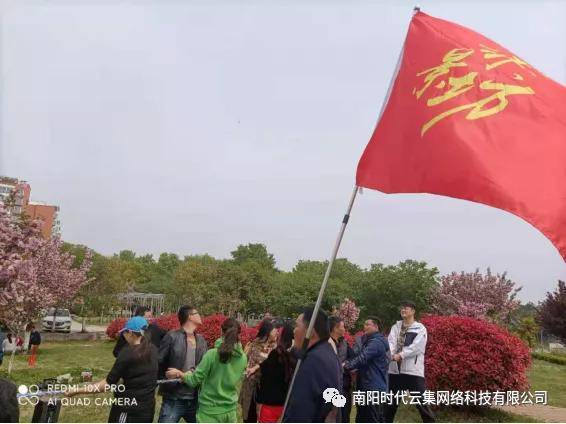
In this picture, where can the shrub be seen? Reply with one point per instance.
(210, 328)
(469, 354)
(548, 357)
(167, 322)
(115, 326)
(248, 334)
(349, 339)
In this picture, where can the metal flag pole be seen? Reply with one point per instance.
(345, 220)
(321, 294)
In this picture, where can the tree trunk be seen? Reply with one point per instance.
(54, 319)
(11, 363)
(83, 328)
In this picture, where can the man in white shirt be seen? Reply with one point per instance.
(407, 342)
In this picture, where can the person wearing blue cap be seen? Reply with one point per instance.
(137, 367)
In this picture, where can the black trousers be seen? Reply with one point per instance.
(131, 415)
(347, 409)
(252, 412)
(369, 414)
(413, 383)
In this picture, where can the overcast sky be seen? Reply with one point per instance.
(194, 126)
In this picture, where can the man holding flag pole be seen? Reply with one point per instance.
(468, 119)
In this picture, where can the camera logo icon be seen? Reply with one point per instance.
(28, 395)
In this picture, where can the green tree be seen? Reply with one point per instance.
(527, 330)
(77, 250)
(222, 285)
(255, 252)
(196, 282)
(552, 311)
(127, 255)
(168, 262)
(295, 290)
(383, 288)
(100, 294)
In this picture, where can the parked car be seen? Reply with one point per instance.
(62, 318)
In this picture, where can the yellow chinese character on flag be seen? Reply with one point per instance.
(454, 86)
(479, 109)
(452, 59)
(489, 53)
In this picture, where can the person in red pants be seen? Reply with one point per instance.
(34, 342)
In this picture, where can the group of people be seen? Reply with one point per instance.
(201, 384)
(374, 364)
(10, 343)
(207, 385)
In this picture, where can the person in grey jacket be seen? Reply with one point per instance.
(180, 349)
(407, 342)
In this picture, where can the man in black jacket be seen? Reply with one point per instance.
(180, 349)
(372, 363)
(154, 333)
(319, 370)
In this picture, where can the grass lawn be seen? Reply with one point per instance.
(409, 414)
(65, 358)
(58, 358)
(552, 378)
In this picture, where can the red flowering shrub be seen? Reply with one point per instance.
(351, 338)
(115, 326)
(210, 328)
(468, 354)
(167, 322)
(247, 334)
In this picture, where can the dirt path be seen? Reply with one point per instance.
(546, 413)
(90, 328)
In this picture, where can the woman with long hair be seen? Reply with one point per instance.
(276, 373)
(137, 366)
(257, 350)
(218, 375)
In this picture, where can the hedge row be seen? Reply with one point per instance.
(548, 357)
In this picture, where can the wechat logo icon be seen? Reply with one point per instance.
(334, 396)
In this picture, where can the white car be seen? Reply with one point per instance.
(62, 320)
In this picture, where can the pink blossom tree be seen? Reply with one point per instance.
(34, 273)
(488, 297)
(349, 312)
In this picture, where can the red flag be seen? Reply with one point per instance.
(468, 119)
